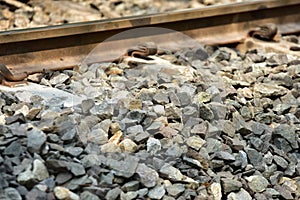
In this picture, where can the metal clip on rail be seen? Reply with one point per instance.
(142, 50)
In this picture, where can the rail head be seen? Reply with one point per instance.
(139, 21)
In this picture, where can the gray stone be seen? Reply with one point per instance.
(189, 112)
(220, 55)
(224, 156)
(205, 112)
(36, 194)
(125, 168)
(137, 115)
(241, 159)
(282, 79)
(147, 176)
(142, 192)
(227, 127)
(175, 190)
(58, 79)
(277, 59)
(128, 196)
(257, 183)
(12, 194)
(63, 177)
(107, 179)
(141, 137)
(173, 98)
(282, 108)
(86, 195)
(288, 133)
(258, 128)
(134, 130)
(130, 186)
(86, 105)
(172, 112)
(97, 136)
(257, 143)
(240, 125)
(154, 127)
(113, 194)
(281, 162)
(69, 135)
(215, 93)
(237, 144)
(171, 172)
(153, 145)
(189, 88)
(259, 196)
(57, 165)
(74, 151)
(35, 140)
(271, 193)
(219, 110)
(157, 192)
(215, 164)
(174, 151)
(199, 129)
(103, 110)
(27, 178)
(53, 138)
(76, 183)
(266, 118)
(192, 162)
(246, 113)
(76, 168)
(169, 132)
(254, 156)
(268, 158)
(39, 170)
(15, 118)
(230, 185)
(184, 98)
(161, 98)
(14, 149)
(274, 179)
(213, 145)
(286, 194)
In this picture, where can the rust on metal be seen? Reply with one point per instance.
(142, 50)
(264, 32)
(24, 52)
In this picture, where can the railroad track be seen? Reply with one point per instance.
(23, 52)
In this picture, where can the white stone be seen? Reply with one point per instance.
(195, 142)
(63, 193)
(242, 194)
(216, 191)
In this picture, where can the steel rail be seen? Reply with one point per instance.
(23, 52)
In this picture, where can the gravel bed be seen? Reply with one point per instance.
(203, 123)
(36, 13)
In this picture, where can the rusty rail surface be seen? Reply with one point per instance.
(27, 51)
